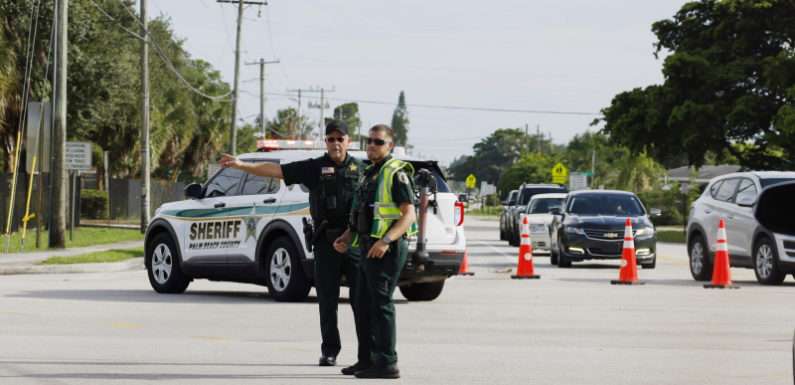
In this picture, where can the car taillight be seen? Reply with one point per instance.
(458, 214)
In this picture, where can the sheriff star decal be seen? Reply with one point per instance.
(403, 178)
(251, 227)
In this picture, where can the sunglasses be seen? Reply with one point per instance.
(331, 139)
(377, 142)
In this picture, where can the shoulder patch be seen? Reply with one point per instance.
(402, 177)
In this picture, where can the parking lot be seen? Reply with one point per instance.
(569, 327)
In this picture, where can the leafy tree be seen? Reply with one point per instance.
(729, 87)
(400, 121)
(288, 125)
(531, 168)
(349, 113)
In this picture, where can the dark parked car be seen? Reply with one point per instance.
(507, 206)
(591, 226)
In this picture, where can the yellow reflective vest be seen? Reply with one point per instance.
(385, 211)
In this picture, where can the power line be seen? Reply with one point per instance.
(453, 107)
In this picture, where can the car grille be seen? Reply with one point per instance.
(602, 234)
(606, 251)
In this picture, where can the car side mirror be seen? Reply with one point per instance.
(555, 211)
(655, 212)
(746, 201)
(194, 191)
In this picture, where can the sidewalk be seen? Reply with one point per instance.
(27, 263)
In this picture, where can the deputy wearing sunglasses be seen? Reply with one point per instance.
(382, 216)
(332, 180)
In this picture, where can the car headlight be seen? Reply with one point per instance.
(644, 232)
(538, 228)
(574, 230)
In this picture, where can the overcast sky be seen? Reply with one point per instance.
(571, 56)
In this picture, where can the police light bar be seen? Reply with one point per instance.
(284, 144)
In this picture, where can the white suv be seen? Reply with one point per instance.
(245, 228)
(733, 198)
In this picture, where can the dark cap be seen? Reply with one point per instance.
(336, 125)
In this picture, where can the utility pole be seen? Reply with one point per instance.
(539, 137)
(58, 230)
(236, 89)
(144, 119)
(300, 91)
(261, 64)
(322, 107)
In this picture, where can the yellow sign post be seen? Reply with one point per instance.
(471, 181)
(560, 174)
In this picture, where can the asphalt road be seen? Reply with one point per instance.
(569, 327)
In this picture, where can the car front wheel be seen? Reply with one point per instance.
(700, 265)
(285, 277)
(563, 259)
(766, 263)
(162, 265)
(425, 291)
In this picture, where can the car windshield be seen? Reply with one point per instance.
(527, 193)
(772, 181)
(617, 205)
(545, 205)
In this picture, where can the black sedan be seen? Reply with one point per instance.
(591, 226)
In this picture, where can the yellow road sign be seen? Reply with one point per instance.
(471, 181)
(560, 174)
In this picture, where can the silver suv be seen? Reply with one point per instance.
(733, 197)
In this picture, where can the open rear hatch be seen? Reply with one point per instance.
(775, 209)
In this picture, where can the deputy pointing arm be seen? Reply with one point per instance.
(267, 169)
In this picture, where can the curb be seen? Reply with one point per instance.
(128, 265)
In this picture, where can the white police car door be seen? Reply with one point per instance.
(260, 195)
(213, 229)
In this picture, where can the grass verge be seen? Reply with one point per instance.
(83, 236)
(96, 257)
(672, 236)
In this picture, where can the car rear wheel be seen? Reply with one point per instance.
(700, 265)
(553, 256)
(766, 263)
(162, 266)
(425, 291)
(285, 277)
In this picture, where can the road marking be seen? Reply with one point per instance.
(126, 325)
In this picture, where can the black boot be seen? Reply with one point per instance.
(388, 371)
(351, 370)
(327, 361)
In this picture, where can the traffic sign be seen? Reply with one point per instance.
(471, 181)
(78, 156)
(578, 181)
(560, 174)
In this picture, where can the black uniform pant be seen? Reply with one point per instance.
(378, 280)
(330, 266)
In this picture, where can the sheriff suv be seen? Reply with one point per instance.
(245, 228)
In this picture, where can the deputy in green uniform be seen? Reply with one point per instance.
(332, 180)
(382, 216)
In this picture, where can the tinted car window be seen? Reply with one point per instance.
(747, 189)
(713, 190)
(544, 206)
(225, 183)
(726, 191)
(607, 204)
(256, 185)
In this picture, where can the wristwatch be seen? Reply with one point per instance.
(386, 239)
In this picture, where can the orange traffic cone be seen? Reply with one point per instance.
(524, 268)
(628, 274)
(464, 269)
(721, 274)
